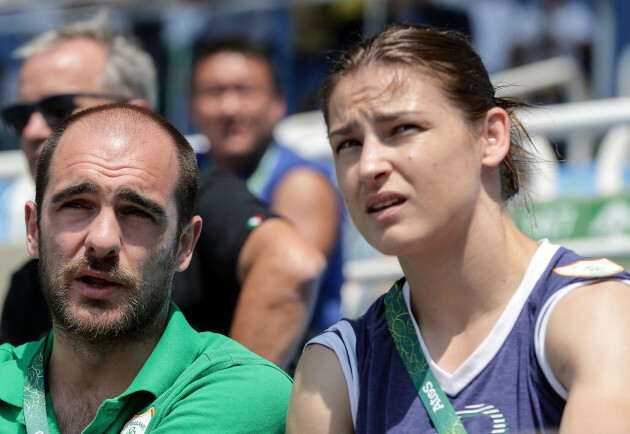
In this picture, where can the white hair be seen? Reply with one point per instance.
(129, 71)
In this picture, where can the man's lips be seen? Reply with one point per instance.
(234, 127)
(95, 281)
(97, 285)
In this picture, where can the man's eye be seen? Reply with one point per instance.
(73, 205)
(210, 92)
(137, 212)
(247, 90)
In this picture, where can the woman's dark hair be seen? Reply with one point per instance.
(449, 57)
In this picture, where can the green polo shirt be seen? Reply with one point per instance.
(192, 382)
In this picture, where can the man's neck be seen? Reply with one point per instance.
(81, 375)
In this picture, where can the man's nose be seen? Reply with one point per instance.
(231, 101)
(104, 235)
(36, 128)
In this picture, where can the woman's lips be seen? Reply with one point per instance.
(384, 204)
(381, 201)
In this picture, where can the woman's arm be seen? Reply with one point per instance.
(588, 348)
(319, 398)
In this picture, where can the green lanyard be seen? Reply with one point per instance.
(404, 335)
(257, 181)
(35, 394)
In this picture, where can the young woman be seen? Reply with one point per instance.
(489, 330)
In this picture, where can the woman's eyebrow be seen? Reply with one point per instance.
(391, 116)
(341, 131)
(378, 117)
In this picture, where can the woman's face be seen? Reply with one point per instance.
(408, 163)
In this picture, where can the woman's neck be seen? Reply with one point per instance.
(458, 292)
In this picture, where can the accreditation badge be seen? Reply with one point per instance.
(139, 423)
(590, 268)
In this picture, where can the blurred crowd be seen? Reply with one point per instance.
(299, 42)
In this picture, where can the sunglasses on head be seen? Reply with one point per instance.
(55, 109)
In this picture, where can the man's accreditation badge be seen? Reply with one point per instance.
(590, 268)
(139, 423)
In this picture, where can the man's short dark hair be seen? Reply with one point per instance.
(238, 45)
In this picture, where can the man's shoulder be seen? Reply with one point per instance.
(224, 363)
(220, 352)
(218, 381)
(207, 354)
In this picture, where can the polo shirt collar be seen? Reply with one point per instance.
(175, 351)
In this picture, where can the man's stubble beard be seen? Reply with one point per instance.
(135, 311)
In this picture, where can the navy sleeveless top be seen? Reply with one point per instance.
(505, 385)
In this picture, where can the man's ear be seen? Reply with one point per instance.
(496, 137)
(32, 239)
(186, 243)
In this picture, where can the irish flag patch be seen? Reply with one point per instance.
(590, 268)
(255, 221)
(139, 423)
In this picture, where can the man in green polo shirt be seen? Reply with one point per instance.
(111, 223)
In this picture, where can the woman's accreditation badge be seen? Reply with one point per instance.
(590, 268)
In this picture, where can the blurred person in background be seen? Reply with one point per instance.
(236, 102)
(555, 28)
(261, 273)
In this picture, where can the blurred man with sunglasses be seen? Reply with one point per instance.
(73, 68)
(262, 289)
(52, 110)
